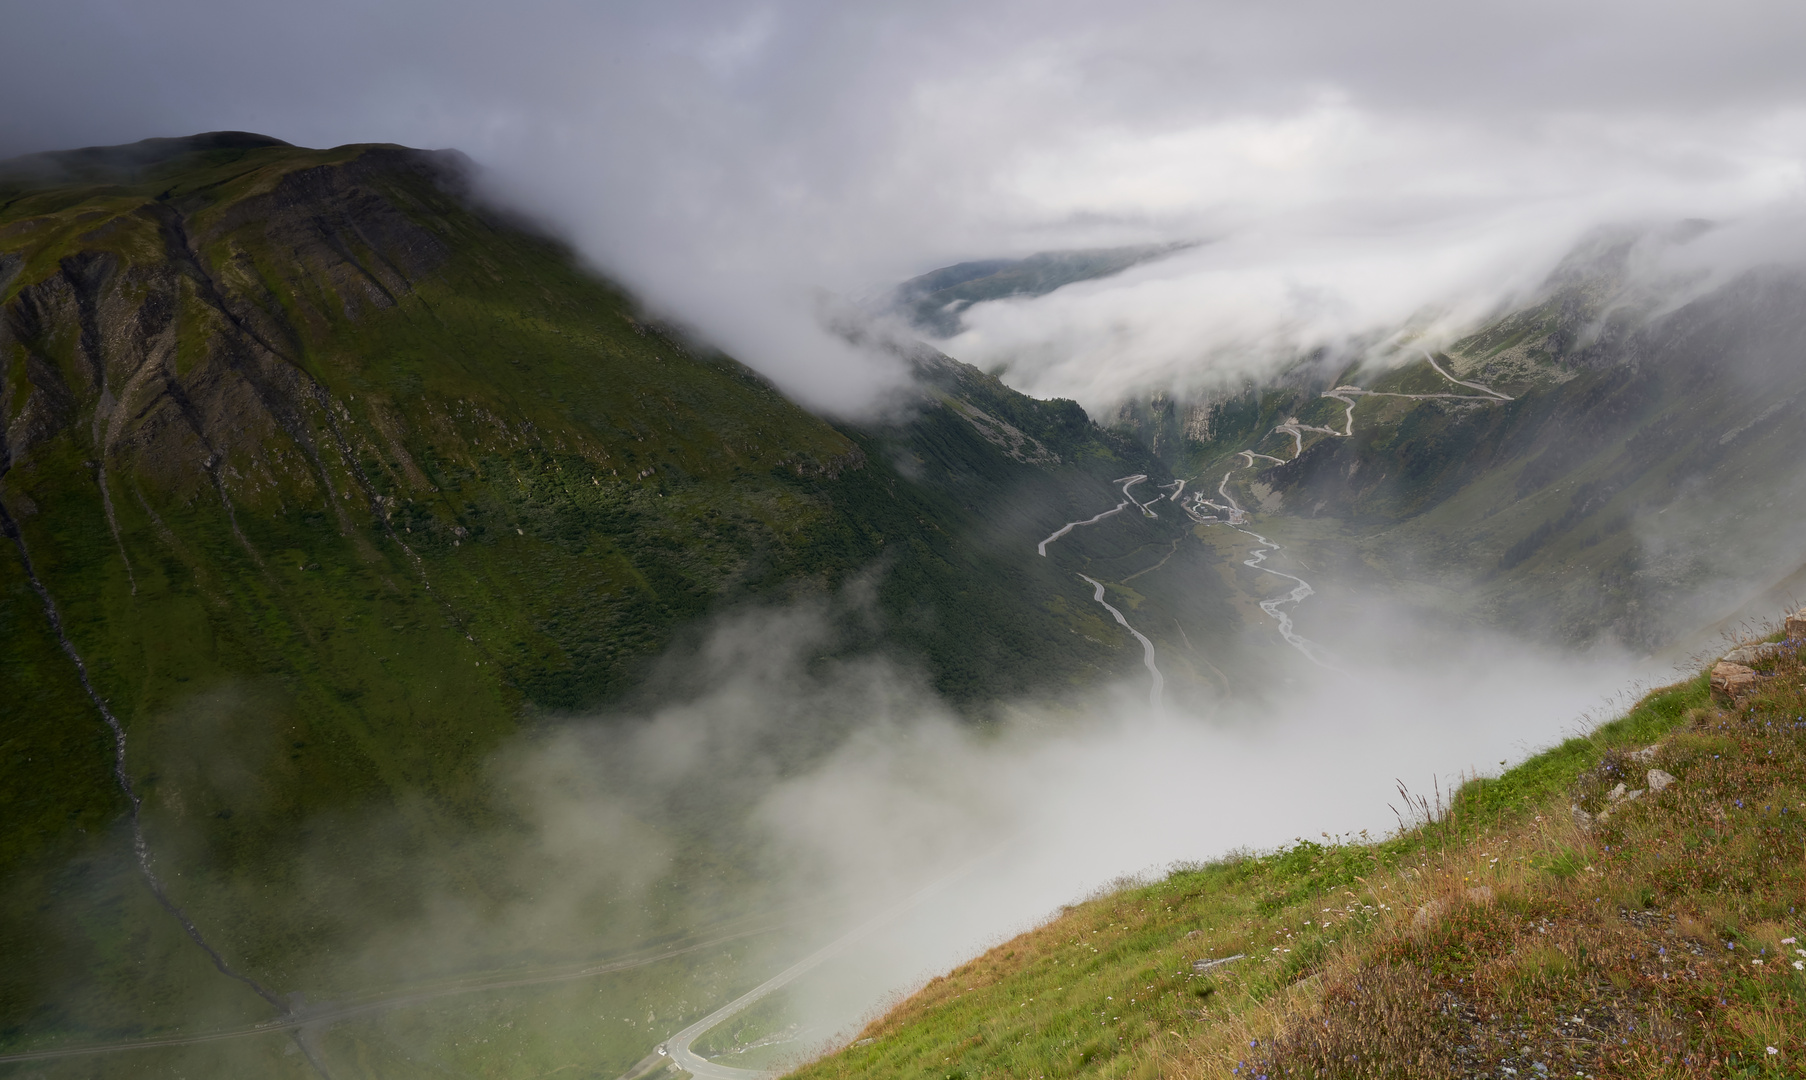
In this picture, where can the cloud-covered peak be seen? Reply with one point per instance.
(729, 161)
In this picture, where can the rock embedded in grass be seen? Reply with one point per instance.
(1732, 679)
(1754, 653)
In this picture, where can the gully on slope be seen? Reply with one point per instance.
(134, 801)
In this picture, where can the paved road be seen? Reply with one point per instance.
(1235, 517)
(329, 1014)
(677, 1047)
(1157, 690)
(1041, 548)
(1463, 382)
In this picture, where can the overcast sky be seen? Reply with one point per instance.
(1351, 162)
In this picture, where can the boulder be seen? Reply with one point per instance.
(1732, 679)
(1648, 753)
(1796, 626)
(1658, 780)
(1753, 654)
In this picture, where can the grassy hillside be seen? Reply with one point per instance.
(1503, 937)
(337, 482)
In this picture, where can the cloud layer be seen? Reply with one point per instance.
(729, 160)
(1036, 810)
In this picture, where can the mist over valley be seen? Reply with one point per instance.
(718, 577)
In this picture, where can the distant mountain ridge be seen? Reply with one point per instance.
(120, 164)
(934, 302)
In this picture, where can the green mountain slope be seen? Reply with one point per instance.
(337, 480)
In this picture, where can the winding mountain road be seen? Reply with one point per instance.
(1235, 517)
(1157, 690)
(1482, 387)
(1041, 548)
(678, 1047)
(1129, 500)
(1128, 482)
(313, 1018)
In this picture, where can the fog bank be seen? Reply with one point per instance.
(730, 162)
(853, 787)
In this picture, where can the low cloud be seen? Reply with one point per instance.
(728, 162)
(845, 786)
(1330, 232)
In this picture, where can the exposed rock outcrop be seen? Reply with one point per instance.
(1732, 680)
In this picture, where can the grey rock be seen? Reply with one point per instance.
(1658, 780)
(1732, 679)
(1429, 913)
(1752, 654)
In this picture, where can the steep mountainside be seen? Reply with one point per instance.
(320, 481)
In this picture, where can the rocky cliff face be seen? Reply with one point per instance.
(259, 334)
(157, 331)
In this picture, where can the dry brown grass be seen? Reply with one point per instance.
(1648, 945)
